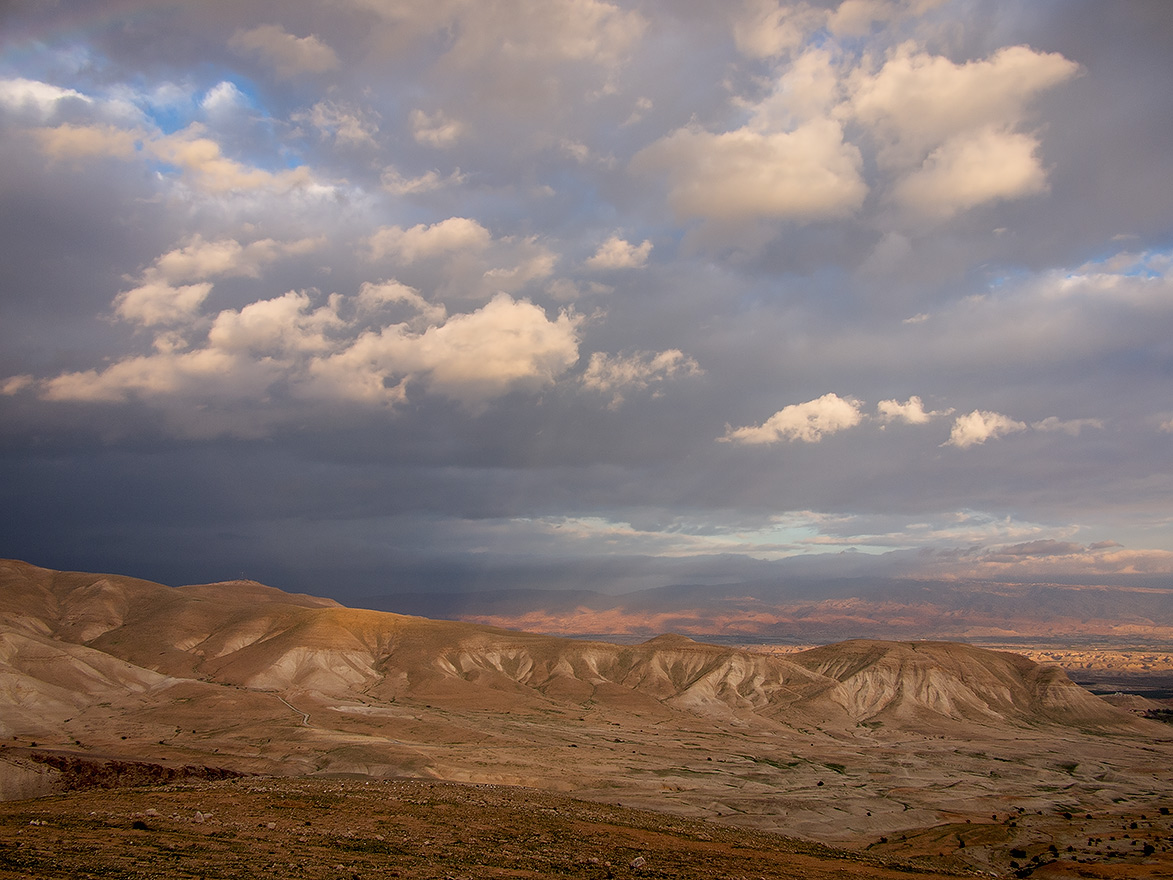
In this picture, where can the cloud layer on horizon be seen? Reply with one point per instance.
(421, 290)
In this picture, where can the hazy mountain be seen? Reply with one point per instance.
(815, 610)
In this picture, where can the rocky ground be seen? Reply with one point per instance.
(350, 829)
(354, 828)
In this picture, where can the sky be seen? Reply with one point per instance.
(367, 296)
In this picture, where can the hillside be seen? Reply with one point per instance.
(846, 743)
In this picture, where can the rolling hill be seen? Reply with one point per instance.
(848, 742)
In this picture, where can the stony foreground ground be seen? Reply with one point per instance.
(332, 829)
(354, 829)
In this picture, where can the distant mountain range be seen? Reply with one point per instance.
(814, 611)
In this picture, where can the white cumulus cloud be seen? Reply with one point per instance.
(617, 253)
(802, 175)
(616, 374)
(972, 169)
(808, 422)
(422, 241)
(912, 411)
(918, 101)
(979, 426)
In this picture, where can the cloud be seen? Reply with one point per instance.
(808, 422)
(979, 426)
(377, 296)
(16, 384)
(315, 353)
(973, 169)
(396, 184)
(162, 299)
(1074, 427)
(616, 253)
(912, 411)
(854, 18)
(917, 101)
(88, 141)
(343, 123)
(421, 242)
(546, 30)
(435, 130)
(1044, 547)
(358, 245)
(949, 131)
(223, 97)
(508, 343)
(767, 28)
(520, 59)
(159, 302)
(205, 166)
(803, 175)
(470, 358)
(34, 96)
(567, 290)
(183, 374)
(617, 374)
(287, 54)
(199, 259)
(277, 326)
(533, 262)
(1049, 557)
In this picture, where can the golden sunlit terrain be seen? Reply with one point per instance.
(966, 757)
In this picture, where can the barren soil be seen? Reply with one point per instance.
(348, 828)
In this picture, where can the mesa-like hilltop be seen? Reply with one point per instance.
(849, 743)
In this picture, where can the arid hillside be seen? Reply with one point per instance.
(863, 743)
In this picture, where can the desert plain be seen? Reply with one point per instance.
(245, 710)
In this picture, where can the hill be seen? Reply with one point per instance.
(848, 743)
